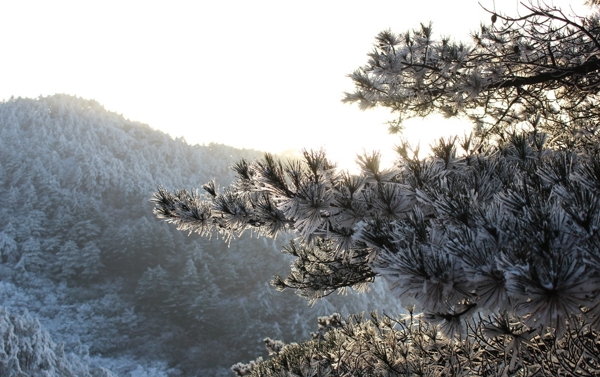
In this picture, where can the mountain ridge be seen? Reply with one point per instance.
(81, 250)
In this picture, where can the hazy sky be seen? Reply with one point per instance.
(267, 75)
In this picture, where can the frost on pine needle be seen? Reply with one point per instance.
(551, 290)
(417, 275)
(185, 209)
(451, 320)
(310, 207)
(503, 220)
(507, 229)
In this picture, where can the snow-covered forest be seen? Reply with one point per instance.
(91, 282)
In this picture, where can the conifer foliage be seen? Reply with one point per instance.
(491, 241)
(540, 66)
(384, 346)
(27, 350)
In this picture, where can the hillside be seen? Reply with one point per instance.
(82, 252)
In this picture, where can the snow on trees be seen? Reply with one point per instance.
(538, 68)
(94, 266)
(493, 236)
(493, 230)
(26, 349)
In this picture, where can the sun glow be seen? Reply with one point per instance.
(265, 75)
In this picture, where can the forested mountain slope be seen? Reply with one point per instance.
(82, 252)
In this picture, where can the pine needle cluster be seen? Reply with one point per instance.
(493, 238)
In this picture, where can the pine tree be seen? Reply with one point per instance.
(538, 69)
(491, 241)
(8, 246)
(26, 349)
(154, 288)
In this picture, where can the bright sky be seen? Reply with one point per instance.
(259, 74)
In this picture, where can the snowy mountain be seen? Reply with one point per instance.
(116, 289)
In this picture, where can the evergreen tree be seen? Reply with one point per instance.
(537, 69)
(73, 261)
(492, 241)
(8, 245)
(26, 349)
(154, 288)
